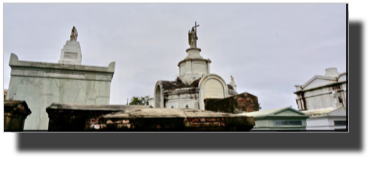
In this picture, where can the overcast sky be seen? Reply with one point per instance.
(267, 48)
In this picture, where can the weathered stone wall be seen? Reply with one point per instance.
(149, 119)
(319, 98)
(79, 117)
(244, 102)
(75, 117)
(180, 98)
(41, 84)
(15, 112)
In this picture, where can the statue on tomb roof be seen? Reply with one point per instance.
(193, 36)
(74, 34)
(232, 79)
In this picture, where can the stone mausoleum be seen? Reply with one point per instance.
(195, 82)
(323, 98)
(40, 84)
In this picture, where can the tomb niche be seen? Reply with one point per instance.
(213, 89)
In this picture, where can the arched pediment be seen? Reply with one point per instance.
(211, 86)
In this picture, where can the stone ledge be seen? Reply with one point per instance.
(193, 59)
(14, 62)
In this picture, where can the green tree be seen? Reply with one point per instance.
(259, 106)
(139, 100)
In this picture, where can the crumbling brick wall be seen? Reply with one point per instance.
(243, 102)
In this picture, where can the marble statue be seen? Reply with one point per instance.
(232, 79)
(193, 36)
(74, 34)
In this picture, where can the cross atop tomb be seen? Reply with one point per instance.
(195, 27)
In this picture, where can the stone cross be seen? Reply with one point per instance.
(195, 27)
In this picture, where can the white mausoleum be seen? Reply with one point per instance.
(194, 84)
(41, 84)
(323, 98)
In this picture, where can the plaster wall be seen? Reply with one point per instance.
(192, 69)
(182, 103)
(322, 97)
(261, 123)
(179, 98)
(319, 101)
(323, 123)
(199, 67)
(71, 53)
(317, 122)
(182, 69)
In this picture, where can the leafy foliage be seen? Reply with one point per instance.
(139, 100)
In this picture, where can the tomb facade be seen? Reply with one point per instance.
(195, 82)
(323, 98)
(278, 119)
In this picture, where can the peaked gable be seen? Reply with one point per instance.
(318, 81)
(288, 112)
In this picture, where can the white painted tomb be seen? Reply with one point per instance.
(323, 98)
(41, 84)
(278, 119)
(194, 84)
(326, 119)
